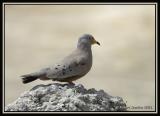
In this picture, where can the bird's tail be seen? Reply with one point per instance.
(29, 78)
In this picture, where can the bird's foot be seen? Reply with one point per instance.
(71, 83)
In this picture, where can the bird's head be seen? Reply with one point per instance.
(87, 39)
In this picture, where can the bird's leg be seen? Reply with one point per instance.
(70, 82)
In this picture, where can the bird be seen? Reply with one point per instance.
(72, 67)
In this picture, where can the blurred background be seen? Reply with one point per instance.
(37, 36)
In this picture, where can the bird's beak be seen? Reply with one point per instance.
(95, 42)
(98, 43)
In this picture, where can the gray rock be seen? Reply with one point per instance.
(66, 97)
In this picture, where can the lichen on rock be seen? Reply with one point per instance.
(66, 97)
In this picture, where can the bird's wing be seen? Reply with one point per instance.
(71, 66)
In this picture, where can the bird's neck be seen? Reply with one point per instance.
(86, 47)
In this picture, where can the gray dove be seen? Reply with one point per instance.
(71, 68)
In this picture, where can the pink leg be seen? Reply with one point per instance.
(70, 82)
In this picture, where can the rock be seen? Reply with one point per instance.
(66, 97)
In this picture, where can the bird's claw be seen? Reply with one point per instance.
(71, 83)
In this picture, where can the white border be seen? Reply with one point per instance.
(51, 3)
(3, 55)
(156, 107)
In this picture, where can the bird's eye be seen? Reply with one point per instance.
(91, 38)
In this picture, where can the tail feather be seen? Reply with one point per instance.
(28, 78)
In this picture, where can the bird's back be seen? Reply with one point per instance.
(78, 63)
